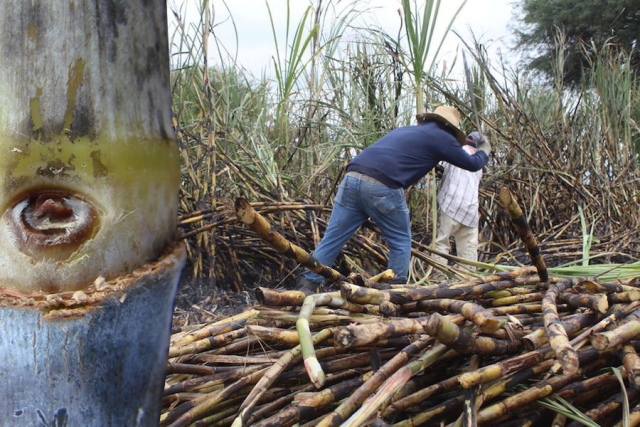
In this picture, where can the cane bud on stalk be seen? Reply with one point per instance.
(89, 166)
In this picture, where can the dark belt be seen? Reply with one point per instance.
(363, 177)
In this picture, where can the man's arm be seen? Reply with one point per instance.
(457, 156)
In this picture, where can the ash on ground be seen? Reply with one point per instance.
(201, 301)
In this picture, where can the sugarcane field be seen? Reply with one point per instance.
(541, 330)
(320, 213)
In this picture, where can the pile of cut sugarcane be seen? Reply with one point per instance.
(486, 351)
(515, 348)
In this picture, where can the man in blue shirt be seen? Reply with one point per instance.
(374, 185)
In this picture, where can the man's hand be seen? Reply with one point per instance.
(484, 145)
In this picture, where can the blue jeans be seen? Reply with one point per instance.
(356, 201)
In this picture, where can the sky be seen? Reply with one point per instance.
(488, 20)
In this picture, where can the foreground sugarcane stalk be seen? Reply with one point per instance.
(89, 181)
(102, 362)
(393, 385)
(271, 375)
(311, 364)
(558, 339)
(510, 204)
(631, 362)
(307, 407)
(614, 337)
(351, 404)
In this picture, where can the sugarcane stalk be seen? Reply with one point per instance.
(616, 314)
(89, 181)
(268, 406)
(207, 343)
(598, 303)
(361, 295)
(558, 339)
(273, 297)
(508, 292)
(447, 332)
(631, 363)
(613, 338)
(275, 335)
(481, 317)
(452, 405)
(470, 406)
(517, 299)
(213, 381)
(633, 418)
(593, 286)
(307, 404)
(538, 338)
(91, 169)
(189, 412)
(311, 364)
(218, 359)
(188, 369)
(115, 336)
(259, 225)
(527, 308)
(497, 388)
(559, 420)
(393, 385)
(219, 415)
(308, 407)
(226, 325)
(333, 300)
(351, 404)
(318, 318)
(538, 390)
(350, 361)
(510, 204)
(592, 388)
(383, 276)
(503, 368)
(400, 405)
(623, 297)
(611, 405)
(272, 374)
(362, 335)
(221, 411)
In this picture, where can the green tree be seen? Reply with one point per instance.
(578, 27)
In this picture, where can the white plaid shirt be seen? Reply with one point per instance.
(458, 193)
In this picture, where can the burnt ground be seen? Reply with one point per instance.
(203, 301)
(198, 302)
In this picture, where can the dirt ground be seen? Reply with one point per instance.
(200, 302)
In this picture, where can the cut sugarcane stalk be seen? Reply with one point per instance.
(89, 180)
(94, 357)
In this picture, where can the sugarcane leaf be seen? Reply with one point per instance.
(562, 406)
(625, 397)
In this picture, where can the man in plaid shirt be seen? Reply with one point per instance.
(458, 207)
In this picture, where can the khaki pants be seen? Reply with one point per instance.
(466, 239)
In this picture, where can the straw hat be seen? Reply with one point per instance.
(448, 116)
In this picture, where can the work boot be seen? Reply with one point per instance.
(305, 285)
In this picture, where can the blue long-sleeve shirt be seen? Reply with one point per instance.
(406, 154)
